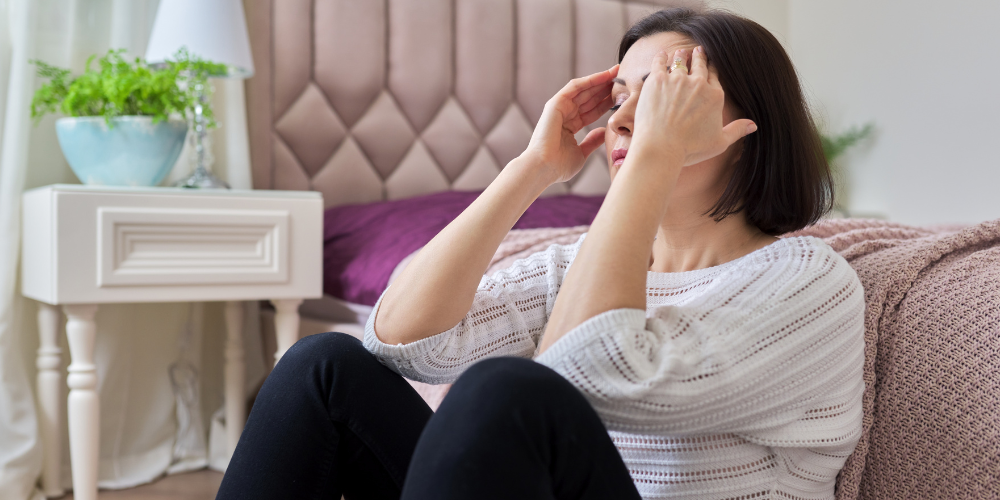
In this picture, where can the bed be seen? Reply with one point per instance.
(400, 111)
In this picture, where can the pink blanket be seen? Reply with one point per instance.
(932, 358)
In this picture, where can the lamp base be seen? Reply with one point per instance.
(202, 179)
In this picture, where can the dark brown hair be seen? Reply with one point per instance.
(782, 180)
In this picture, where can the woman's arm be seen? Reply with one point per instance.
(507, 318)
(436, 290)
(678, 122)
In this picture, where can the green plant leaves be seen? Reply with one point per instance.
(117, 87)
(836, 145)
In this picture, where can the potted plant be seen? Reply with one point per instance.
(833, 147)
(125, 121)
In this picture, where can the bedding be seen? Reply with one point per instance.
(364, 244)
(333, 310)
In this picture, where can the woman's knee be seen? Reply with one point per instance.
(515, 373)
(506, 383)
(325, 364)
(321, 349)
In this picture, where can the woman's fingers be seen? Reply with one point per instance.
(661, 61)
(595, 100)
(699, 63)
(682, 111)
(588, 117)
(737, 129)
(680, 57)
(585, 114)
(593, 141)
(581, 94)
(684, 55)
(713, 75)
(578, 85)
(588, 95)
(579, 103)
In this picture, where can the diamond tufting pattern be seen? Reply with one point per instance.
(387, 99)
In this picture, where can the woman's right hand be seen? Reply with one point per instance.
(553, 145)
(681, 112)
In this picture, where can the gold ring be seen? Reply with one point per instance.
(678, 64)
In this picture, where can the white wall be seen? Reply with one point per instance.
(928, 74)
(771, 14)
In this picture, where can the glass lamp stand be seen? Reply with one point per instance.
(201, 177)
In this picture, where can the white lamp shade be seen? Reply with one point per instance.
(214, 30)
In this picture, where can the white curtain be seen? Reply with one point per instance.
(149, 356)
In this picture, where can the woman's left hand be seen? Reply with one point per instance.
(680, 113)
(553, 143)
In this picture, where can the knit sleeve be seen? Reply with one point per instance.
(774, 354)
(507, 318)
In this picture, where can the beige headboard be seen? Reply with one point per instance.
(367, 100)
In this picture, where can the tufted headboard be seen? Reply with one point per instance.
(367, 100)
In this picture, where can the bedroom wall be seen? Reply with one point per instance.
(925, 72)
(771, 14)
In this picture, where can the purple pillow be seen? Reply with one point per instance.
(362, 244)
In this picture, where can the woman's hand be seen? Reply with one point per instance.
(680, 113)
(553, 146)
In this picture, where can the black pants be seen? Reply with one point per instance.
(331, 420)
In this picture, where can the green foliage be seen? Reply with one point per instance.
(121, 88)
(836, 145)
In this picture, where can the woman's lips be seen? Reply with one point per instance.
(618, 156)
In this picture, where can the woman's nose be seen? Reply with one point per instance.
(621, 120)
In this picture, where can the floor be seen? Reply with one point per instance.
(198, 485)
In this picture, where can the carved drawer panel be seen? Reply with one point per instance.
(167, 246)
(90, 244)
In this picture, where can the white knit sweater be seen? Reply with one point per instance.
(739, 381)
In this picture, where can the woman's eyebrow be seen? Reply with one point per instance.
(619, 81)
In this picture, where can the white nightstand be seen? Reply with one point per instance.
(89, 245)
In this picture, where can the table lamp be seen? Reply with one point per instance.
(213, 30)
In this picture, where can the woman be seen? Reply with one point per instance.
(687, 352)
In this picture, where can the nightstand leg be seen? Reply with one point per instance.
(236, 375)
(286, 324)
(83, 404)
(49, 397)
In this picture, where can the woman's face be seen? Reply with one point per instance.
(705, 181)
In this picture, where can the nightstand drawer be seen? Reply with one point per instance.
(96, 245)
(173, 246)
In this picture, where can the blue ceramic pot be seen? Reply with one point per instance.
(133, 151)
